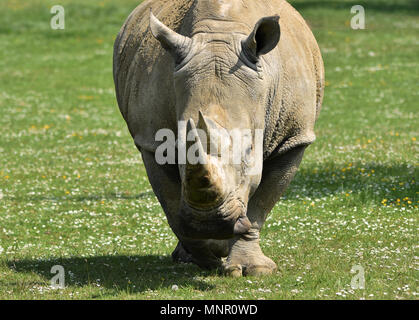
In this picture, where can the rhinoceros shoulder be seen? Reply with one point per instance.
(297, 96)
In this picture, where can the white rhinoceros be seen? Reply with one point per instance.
(223, 64)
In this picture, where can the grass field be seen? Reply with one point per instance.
(73, 190)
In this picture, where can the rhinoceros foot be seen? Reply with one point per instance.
(247, 259)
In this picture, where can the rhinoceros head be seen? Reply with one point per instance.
(222, 85)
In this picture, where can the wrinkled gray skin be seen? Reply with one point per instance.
(220, 64)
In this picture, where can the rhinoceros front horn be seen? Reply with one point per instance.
(203, 183)
(173, 42)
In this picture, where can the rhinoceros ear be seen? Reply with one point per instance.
(173, 42)
(264, 38)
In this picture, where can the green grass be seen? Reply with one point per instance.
(73, 190)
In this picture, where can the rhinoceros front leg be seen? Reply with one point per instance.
(166, 184)
(245, 256)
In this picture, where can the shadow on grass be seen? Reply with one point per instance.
(408, 6)
(131, 274)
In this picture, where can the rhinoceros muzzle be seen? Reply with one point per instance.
(223, 222)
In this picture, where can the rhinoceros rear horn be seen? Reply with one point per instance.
(172, 41)
(264, 37)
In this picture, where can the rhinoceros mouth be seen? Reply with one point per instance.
(222, 222)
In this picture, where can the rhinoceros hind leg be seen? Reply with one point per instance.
(207, 253)
(198, 252)
(181, 255)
